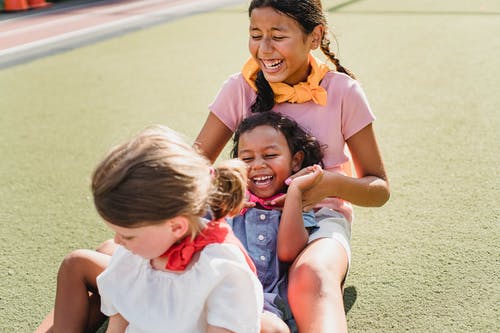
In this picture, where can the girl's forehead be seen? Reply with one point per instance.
(263, 134)
(270, 17)
(260, 129)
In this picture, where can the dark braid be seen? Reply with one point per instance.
(308, 14)
(325, 48)
(265, 95)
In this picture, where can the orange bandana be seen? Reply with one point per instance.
(301, 92)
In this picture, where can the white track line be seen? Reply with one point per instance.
(195, 6)
(92, 12)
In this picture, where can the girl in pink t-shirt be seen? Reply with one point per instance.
(282, 75)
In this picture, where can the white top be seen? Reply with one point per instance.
(218, 288)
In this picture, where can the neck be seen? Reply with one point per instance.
(303, 78)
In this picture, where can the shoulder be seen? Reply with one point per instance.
(344, 88)
(229, 254)
(337, 80)
(233, 101)
(121, 272)
(122, 256)
(236, 81)
(121, 262)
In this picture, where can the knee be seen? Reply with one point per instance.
(270, 323)
(71, 263)
(77, 265)
(308, 279)
(318, 273)
(107, 247)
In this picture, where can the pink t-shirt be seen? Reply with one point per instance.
(347, 112)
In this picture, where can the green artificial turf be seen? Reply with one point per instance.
(427, 261)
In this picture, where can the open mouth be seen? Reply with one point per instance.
(272, 65)
(262, 181)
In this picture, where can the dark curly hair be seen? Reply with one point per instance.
(297, 138)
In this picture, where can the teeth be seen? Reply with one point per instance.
(262, 178)
(272, 64)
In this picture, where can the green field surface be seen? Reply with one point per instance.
(428, 261)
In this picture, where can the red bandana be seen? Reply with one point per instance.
(218, 231)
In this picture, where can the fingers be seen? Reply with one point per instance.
(313, 169)
(248, 204)
(277, 202)
(309, 177)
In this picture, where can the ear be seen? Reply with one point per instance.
(297, 159)
(179, 226)
(317, 36)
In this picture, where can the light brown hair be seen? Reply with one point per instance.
(157, 176)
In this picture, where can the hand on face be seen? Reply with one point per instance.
(306, 178)
(307, 181)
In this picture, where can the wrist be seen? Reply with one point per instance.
(329, 185)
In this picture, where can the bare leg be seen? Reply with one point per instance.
(108, 247)
(315, 287)
(75, 309)
(47, 323)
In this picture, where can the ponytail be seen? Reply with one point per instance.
(230, 179)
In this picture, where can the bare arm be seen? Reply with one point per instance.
(292, 235)
(213, 137)
(369, 189)
(117, 324)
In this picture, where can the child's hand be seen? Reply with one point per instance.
(303, 180)
(247, 203)
(306, 178)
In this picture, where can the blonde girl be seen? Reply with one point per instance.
(173, 270)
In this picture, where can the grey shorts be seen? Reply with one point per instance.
(333, 224)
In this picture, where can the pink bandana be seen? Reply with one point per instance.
(260, 201)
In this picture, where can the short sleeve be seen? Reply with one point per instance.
(236, 302)
(356, 111)
(232, 103)
(105, 284)
(309, 219)
(107, 307)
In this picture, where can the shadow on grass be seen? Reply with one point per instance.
(350, 295)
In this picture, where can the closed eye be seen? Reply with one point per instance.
(127, 237)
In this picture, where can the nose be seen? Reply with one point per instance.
(258, 163)
(265, 45)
